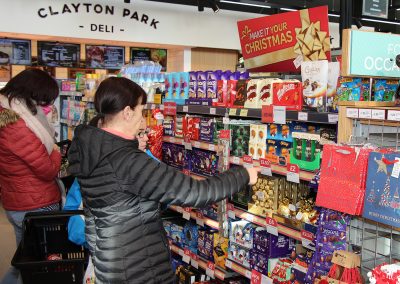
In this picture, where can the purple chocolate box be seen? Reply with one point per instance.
(270, 245)
(212, 78)
(204, 162)
(206, 244)
(207, 129)
(258, 262)
(173, 155)
(201, 85)
(193, 85)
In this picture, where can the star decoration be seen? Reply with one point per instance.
(381, 166)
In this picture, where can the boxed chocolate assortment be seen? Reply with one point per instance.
(221, 245)
(190, 234)
(204, 162)
(240, 136)
(207, 129)
(241, 232)
(169, 126)
(173, 155)
(205, 243)
(239, 254)
(264, 196)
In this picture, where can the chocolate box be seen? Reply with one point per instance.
(222, 94)
(241, 232)
(251, 92)
(238, 94)
(201, 85)
(212, 79)
(239, 254)
(258, 262)
(204, 162)
(221, 245)
(173, 155)
(191, 127)
(270, 245)
(169, 126)
(190, 234)
(207, 130)
(193, 85)
(184, 85)
(288, 93)
(206, 243)
(168, 86)
(176, 85)
(179, 125)
(240, 139)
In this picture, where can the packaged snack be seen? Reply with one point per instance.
(349, 89)
(287, 93)
(202, 85)
(365, 89)
(222, 93)
(190, 233)
(238, 94)
(212, 78)
(191, 127)
(333, 77)
(239, 254)
(258, 262)
(253, 133)
(253, 151)
(176, 85)
(204, 162)
(207, 130)
(193, 85)
(184, 88)
(264, 91)
(206, 243)
(315, 81)
(179, 119)
(252, 98)
(241, 232)
(264, 196)
(272, 246)
(221, 245)
(173, 155)
(168, 86)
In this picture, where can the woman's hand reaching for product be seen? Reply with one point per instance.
(56, 148)
(253, 174)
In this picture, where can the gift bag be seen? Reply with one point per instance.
(382, 199)
(89, 277)
(343, 178)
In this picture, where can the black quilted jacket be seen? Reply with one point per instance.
(122, 189)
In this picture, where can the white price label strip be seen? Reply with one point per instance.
(195, 263)
(303, 116)
(185, 108)
(212, 110)
(210, 270)
(186, 215)
(236, 160)
(196, 144)
(248, 274)
(279, 114)
(365, 113)
(211, 147)
(378, 114)
(266, 171)
(352, 112)
(186, 258)
(293, 177)
(393, 115)
(228, 263)
(333, 118)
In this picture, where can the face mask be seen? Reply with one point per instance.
(47, 109)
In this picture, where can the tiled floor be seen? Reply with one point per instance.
(7, 243)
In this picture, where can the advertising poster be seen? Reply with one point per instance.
(105, 57)
(14, 51)
(281, 42)
(58, 54)
(150, 54)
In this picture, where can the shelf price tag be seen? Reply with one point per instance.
(265, 166)
(279, 114)
(365, 113)
(224, 134)
(210, 270)
(185, 108)
(196, 144)
(396, 168)
(186, 213)
(186, 172)
(231, 211)
(267, 115)
(379, 114)
(333, 118)
(195, 260)
(153, 106)
(352, 112)
(307, 239)
(228, 263)
(200, 219)
(247, 161)
(187, 142)
(272, 226)
(255, 277)
(302, 116)
(213, 111)
(236, 160)
(232, 111)
(186, 256)
(247, 273)
(293, 173)
(211, 147)
(393, 115)
(170, 108)
(225, 120)
(244, 112)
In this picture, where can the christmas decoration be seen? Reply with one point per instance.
(385, 197)
(371, 195)
(381, 165)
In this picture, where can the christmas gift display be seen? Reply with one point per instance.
(382, 199)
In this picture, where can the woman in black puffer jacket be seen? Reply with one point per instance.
(122, 188)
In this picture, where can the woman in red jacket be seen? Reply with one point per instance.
(29, 160)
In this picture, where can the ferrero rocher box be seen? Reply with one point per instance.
(279, 43)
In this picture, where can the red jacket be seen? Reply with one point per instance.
(27, 171)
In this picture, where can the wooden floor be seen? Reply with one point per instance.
(7, 243)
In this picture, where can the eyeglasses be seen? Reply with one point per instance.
(143, 133)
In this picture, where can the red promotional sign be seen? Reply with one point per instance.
(272, 43)
(307, 235)
(292, 168)
(255, 277)
(264, 163)
(170, 108)
(186, 172)
(247, 159)
(267, 114)
(271, 222)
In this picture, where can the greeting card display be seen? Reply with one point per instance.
(382, 199)
(343, 176)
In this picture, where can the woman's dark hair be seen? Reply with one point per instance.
(34, 87)
(114, 94)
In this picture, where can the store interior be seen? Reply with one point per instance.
(287, 87)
